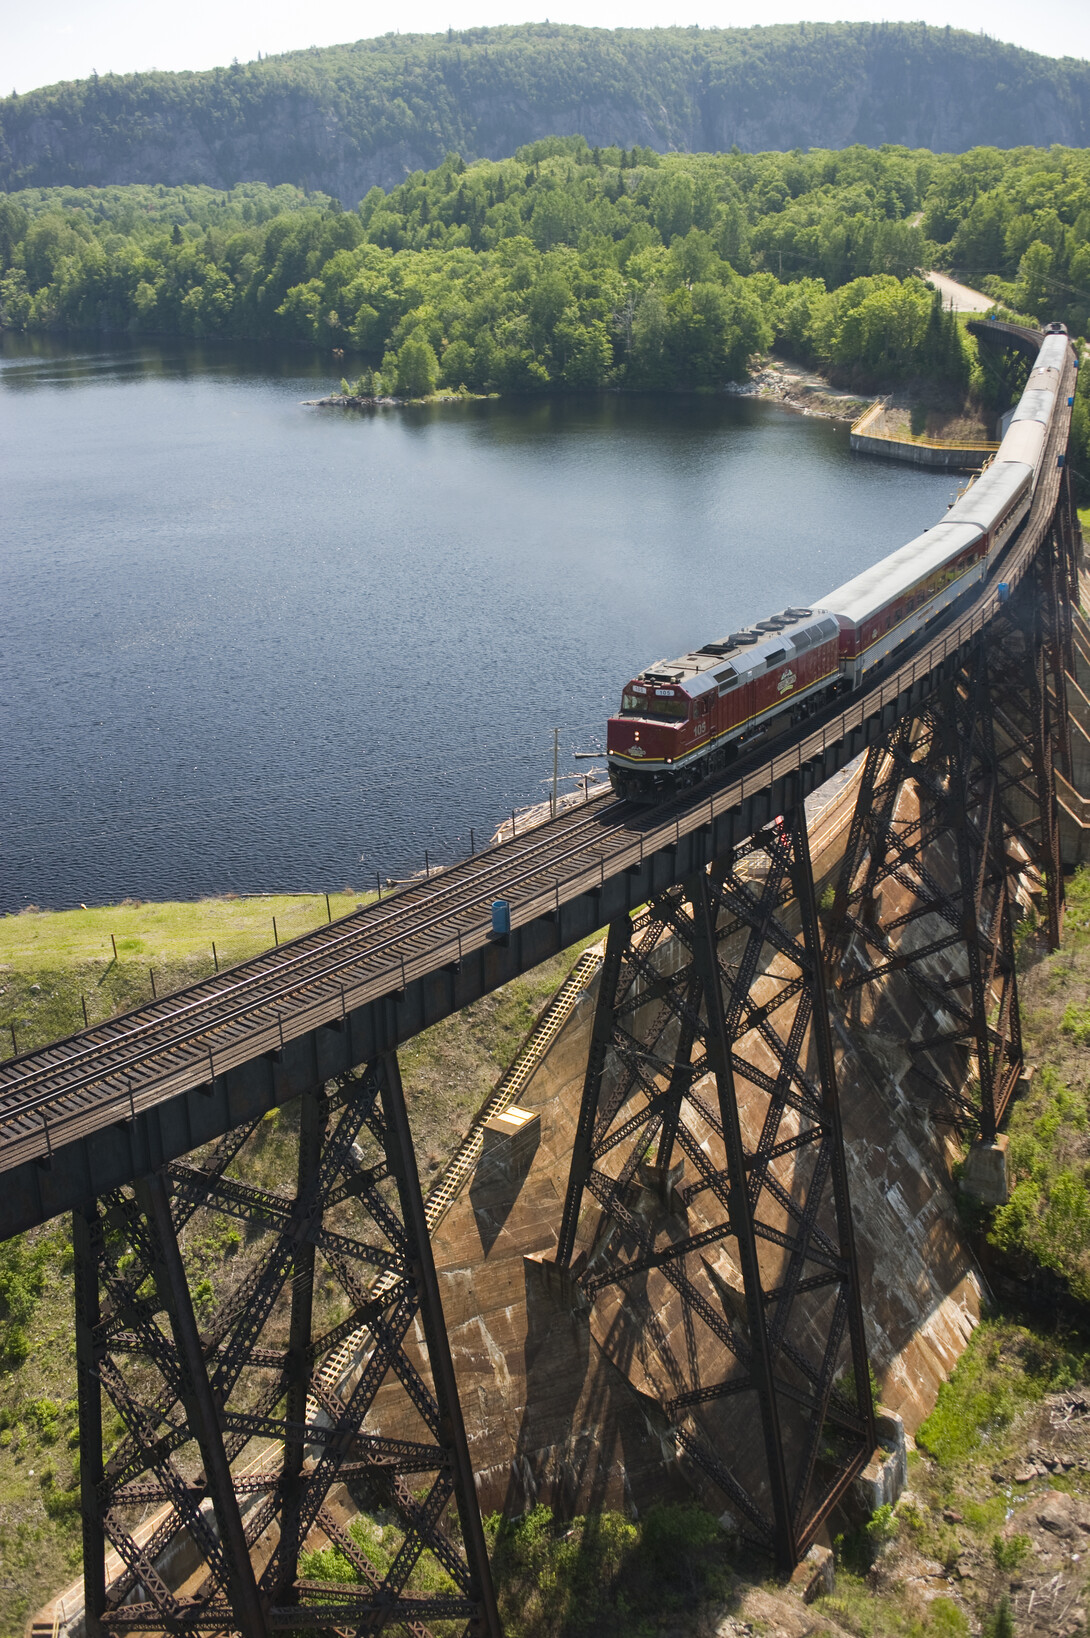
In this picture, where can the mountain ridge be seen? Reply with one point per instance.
(341, 119)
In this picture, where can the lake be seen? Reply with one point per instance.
(246, 644)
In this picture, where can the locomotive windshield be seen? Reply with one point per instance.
(672, 709)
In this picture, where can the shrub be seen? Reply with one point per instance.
(858, 1550)
(43, 1415)
(946, 1620)
(1003, 1369)
(1000, 1624)
(327, 1564)
(22, 1280)
(1010, 1551)
(603, 1574)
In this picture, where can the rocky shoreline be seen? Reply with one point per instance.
(340, 400)
(802, 390)
(774, 380)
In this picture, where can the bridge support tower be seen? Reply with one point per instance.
(710, 1153)
(219, 1436)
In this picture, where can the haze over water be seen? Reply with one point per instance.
(250, 645)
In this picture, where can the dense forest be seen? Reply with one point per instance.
(569, 266)
(344, 118)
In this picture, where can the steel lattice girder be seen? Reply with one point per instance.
(239, 1417)
(929, 821)
(711, 1051)
(1024, 711)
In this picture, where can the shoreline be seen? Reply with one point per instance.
(339, 400)
(774, 380)
(777, 381)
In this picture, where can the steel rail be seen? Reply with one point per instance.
(269, 965)
(559, 861)
(313, 981)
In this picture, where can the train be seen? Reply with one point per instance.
(682, 721)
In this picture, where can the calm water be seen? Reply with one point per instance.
(247, 644)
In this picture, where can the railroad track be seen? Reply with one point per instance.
(120, 1068)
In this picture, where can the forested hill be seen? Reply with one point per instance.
(343, 118)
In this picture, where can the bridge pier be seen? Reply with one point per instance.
(929, 823)
(723, 980)
(241, 1415)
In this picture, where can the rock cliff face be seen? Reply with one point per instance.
(345, 118)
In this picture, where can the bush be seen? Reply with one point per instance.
(603, 1574)
(1003, 1369)
(859, 1549)
(327, 1564)
(22, 1280)
(43, 1415)
(1000, 1624)
(946, 1620)
(1009, 1552)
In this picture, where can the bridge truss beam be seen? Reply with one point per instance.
(930, 799)
(247, 1425)
(711, 1054)
(969, 779)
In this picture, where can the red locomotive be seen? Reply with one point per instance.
(684, 719)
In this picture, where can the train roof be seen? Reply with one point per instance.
(985, 501)
(1022, 445)
(746, 653)
(1053, 353)
(857, 599)
(1036, 402)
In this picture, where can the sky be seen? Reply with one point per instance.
(70, 39)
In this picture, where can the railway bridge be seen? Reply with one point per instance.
(219, 1437)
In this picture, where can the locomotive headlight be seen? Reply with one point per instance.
(636, 735)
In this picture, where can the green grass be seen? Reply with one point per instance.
(40, 1548)
(52, 961)
(857, 1608)
(607, 1574)
(1084, 520)
(1005, 1369)
(1048, 1215)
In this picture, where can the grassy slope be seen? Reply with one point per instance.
(39, 1496)
(48, 960)
(992, 1410)
(1048, 1217)
(940, 1564)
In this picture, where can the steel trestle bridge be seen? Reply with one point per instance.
(233, 1431)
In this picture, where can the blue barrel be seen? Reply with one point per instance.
(1004, 591)
(501, 918)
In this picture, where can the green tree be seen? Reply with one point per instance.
(1035, 284)
(417, 367)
